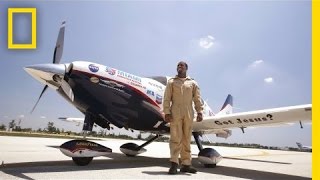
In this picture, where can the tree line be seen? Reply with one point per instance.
(51, 129)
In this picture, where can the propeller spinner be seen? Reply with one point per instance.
(52, 75)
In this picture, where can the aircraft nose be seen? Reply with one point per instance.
(58, 69)
(45, 72)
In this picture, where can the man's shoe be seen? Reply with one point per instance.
(188, 169)
(173, 169)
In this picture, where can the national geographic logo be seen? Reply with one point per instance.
(33, 12)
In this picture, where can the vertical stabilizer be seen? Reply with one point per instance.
(227, 106)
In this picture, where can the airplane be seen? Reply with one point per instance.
(78, 121)
(304, 148)
(108, 96)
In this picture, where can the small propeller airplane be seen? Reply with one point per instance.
(108, 96)
(304, 148)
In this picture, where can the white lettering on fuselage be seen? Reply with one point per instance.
(128, 76)
(111, 87)
(86, 144)
(155, 85)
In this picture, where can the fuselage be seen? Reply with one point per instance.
(121, 98)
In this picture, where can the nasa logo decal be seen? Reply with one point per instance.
(93, 68)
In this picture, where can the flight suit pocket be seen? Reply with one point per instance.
(176, 87)
(187, 89)
(175, 111)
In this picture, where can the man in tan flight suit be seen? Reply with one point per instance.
(177, 106)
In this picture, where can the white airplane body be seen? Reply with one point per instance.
(106, 96)
(304, 148)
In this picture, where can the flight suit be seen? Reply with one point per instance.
(178, 97)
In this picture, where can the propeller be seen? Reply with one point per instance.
(58, 50)
(67, 89)
(44, 89)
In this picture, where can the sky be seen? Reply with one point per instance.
(258, 51)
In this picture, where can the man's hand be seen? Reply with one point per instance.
(199, 117)
(167, 117)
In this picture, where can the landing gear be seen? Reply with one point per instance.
(83, 151)
(207, 156)
(82, 161)
(131, 149)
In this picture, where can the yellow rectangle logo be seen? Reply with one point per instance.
(33, 44)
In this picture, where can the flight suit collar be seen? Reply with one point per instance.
(187, 78)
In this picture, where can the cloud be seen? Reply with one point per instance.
(256, 63)
(21, 116)
(268, 80)
(42, 117)
(206, 42)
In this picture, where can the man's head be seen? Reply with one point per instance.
(182, 67)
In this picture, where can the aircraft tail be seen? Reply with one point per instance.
(227, 106)
(299, 145)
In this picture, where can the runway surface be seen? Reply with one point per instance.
(40, 158)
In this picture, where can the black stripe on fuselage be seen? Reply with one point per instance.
(124, 107)
(146, 98)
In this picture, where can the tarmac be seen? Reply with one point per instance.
(40, 158)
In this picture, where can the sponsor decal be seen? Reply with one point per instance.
(93, 68)
(128, 76)
(159, 99)
(111, 71)
(244, 121)
(86, 144)
(136, 84)
(111, 85)
(150, 92)
(94, 79)
(155, 85)
(75, 146)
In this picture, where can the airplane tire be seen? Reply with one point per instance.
(82, 161)
(209, 157)
(210, 165)
(129, 155)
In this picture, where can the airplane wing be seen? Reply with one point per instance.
(78, 121)
(274, 117)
